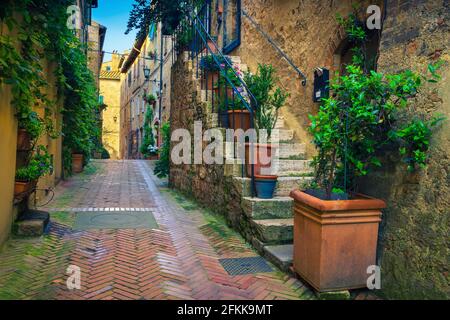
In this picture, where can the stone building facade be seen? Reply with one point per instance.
(146, 54)
(414, 243)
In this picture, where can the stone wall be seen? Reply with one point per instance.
(415, 246)
(308, 32)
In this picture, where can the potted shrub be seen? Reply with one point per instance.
(39, 165)
(335, 227)
(269, 100)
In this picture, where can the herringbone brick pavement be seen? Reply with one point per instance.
(179, 260)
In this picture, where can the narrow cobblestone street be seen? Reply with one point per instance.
(178, 260)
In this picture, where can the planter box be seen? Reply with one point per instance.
(77, 163)
(23, 140)
(335, 241)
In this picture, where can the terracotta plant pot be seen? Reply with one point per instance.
(335, 241)
(77, 163)
(239, 119)
(22, 188)
(211, 79)
(23, 140)
(263, 158)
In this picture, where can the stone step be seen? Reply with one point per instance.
(280, 123)
(261, 209)
(284, 185)
(274, 231)
(293, 167)
(280, 255)
(289, 150)
(282, 135)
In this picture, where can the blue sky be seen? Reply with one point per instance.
(113, 14)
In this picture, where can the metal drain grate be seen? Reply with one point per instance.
(114, 220)
(242, 266)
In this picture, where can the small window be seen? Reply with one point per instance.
(108, 68)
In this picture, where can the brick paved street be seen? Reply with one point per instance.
(179, 260)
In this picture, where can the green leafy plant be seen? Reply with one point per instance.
(367, 115)
(215, 62)
(162, 167)
(149, 139)
(269, 98)
(150, 98)
(39, 165)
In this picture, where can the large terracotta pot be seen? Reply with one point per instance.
(22, 188)
(335, 241)
(23, 140)
(262, 158)
(77, 163)
(239, 119)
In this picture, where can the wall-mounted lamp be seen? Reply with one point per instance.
(147, 73)
(115, 118)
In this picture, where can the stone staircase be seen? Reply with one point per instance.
(271, 221)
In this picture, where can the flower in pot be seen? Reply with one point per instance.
(211, 65)
(38, 165)
(268, 101)
(336, 227)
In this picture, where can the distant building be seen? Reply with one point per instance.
(146, 54)
(110, 97)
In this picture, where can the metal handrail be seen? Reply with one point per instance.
(272, 42)
(225, 60)
(201, 40)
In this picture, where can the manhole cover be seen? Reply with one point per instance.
(242, 266)
(114, 220)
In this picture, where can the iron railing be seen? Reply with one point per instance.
(222, 83)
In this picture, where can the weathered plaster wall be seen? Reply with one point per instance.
(415, 247)
(8, 132)
(9, 159)
(307, 31)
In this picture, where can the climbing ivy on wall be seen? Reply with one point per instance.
(38, 30)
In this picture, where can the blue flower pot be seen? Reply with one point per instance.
(265, 186)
